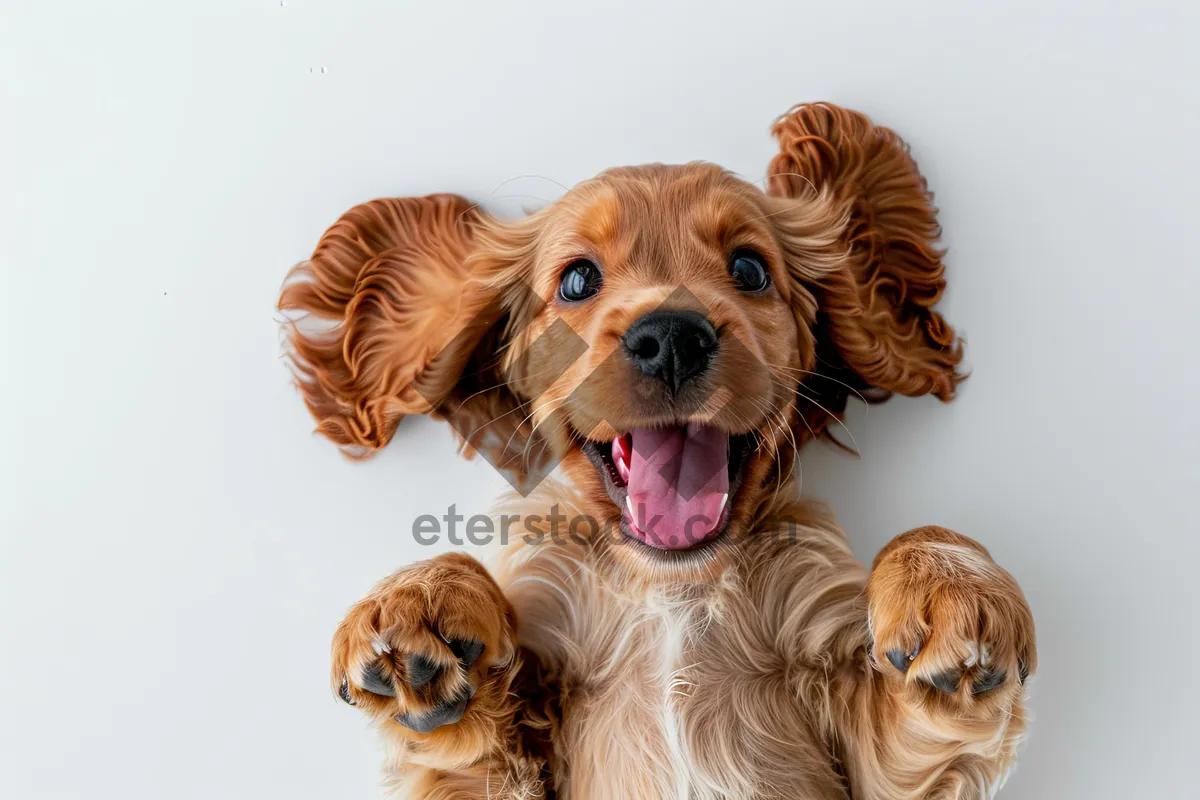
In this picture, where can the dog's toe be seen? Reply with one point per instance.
(946, 681)
(447, 712)
(987, 680)
(421, 670)
(466, 650)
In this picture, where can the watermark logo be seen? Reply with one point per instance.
(548, 358)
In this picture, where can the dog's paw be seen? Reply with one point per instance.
(427, 650)
(947, 619)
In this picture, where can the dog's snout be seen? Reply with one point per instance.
(672, 346)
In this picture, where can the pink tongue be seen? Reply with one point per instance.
(678, 485)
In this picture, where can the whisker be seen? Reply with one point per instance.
(495, 419)
(804, 178)
(778, 414)
(857, 393)
(499, 417)
(772, 214)
(472, 396)
(834, 417)
(545, 439)
(521, 197)
(532, 432)
(474, 206)
(795, 448)
(774, 444)
(539, 177)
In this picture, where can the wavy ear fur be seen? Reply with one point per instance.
(877, 332)
(397, 313)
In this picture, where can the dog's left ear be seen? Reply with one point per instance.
(861, 241)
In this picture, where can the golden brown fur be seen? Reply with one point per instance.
(767, 664)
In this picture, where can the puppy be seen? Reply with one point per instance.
(669, 618)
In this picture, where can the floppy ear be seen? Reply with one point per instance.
(398, 312)
(876, 328)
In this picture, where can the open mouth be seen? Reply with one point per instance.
(674, 484)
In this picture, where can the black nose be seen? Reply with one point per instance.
(673, 346)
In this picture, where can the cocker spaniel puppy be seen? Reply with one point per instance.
(664, 616)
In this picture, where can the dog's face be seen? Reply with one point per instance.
(666, 346)
(669, 334)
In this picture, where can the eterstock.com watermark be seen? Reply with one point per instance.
(482, 530)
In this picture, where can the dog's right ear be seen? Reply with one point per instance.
(394, 315)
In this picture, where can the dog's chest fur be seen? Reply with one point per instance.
(669, 693)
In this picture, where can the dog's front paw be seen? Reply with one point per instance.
(948, 620)
(428, 653)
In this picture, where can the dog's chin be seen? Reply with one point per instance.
(676, 487)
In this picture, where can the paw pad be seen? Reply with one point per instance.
(447, 712)
(984, 678)
(421, 671)
(376, 682)
(987, 680)
(946, 681)
(418, 672)
(466, 650)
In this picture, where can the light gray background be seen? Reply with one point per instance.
(176, 548)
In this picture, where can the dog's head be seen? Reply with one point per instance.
(669, 334)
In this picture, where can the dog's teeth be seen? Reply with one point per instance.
(724, 500)
(629, 506)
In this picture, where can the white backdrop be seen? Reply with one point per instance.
(176, 549)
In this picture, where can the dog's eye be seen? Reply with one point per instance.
(748, 271)
(580, 280)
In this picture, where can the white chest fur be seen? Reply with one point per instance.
(628, 718)
(670, 692)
